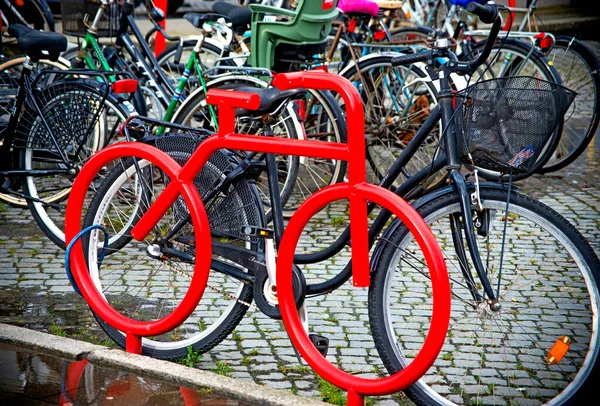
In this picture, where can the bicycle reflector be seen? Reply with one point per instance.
(558, 350)
(125, 86)
(379, 35)
(544, 41)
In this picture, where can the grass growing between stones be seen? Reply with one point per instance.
(191, 358)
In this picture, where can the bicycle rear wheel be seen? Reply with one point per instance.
(546, 275)
(579, 69)
(10, 70)
(398, 99)
(147, 279)
(82, 120)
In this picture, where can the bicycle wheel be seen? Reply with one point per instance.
(323, 121)
(82, 121)
(174, 59)
(146, 279)
(397, 101)
(546, 276)
(512, 57)
(411, 33)
(12, 68)
(578, 67)
(33, 13)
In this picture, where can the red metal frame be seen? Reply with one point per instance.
(356, 190)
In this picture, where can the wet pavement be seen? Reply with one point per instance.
(35, 293)
(35, 378)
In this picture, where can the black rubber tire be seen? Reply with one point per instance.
(392, 348)
(36, 13)
(587, 57)
(411, 33)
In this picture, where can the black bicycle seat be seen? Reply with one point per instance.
(270, 99)
(240, 16)
(38, 44)
(197, 19)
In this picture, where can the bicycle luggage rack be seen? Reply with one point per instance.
(356, 190)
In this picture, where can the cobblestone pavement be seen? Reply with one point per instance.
(35, 292)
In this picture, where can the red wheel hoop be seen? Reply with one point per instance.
(439, 278)
(78, 263)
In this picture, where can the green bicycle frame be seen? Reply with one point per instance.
(90, 43)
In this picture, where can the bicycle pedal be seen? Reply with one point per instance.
(321, 343)
(253, 231)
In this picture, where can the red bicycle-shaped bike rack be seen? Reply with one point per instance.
(356, 190)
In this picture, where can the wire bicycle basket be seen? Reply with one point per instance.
(77, 17)
(504, 124)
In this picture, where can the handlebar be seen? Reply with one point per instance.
(409, 59)
(487, 14)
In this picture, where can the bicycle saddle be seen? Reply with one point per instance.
(367, 7)
(270, 99)
(38, 44)
(197, 19)
(240, 16)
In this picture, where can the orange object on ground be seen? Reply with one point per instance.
(558, 350)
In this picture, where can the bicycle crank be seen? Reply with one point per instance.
(265, 294)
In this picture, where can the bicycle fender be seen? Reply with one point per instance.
(422, 201)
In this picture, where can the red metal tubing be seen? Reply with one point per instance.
(439, 281)
(78, 263)
(355, 116)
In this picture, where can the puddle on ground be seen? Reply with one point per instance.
(32, 378)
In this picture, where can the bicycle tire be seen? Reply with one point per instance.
(225, 300)
(578, 67)
(173, 60)
(40, 152)
(11, 66)
(390, 117)
(411, 33)
(33, 13)
(491, 355)
(537, 65)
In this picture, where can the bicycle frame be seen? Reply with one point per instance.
(168, 95)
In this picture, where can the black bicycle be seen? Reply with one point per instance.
(51, 123)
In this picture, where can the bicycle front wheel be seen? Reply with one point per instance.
(11, 69)
(145, 280)
(546, 277)
(398, 100)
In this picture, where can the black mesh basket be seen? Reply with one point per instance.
(504, 124)
(73, 13)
